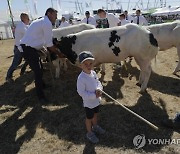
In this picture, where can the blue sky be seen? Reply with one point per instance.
(69, 5)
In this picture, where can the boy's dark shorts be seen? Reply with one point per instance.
(90, 112)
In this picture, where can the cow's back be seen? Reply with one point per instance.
(115, 44)
(61, 32)
(167, 34)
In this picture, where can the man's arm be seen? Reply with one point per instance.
(56, 51)
(48, 40)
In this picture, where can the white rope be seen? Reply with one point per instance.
(146, 121)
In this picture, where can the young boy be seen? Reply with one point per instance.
(88, 87)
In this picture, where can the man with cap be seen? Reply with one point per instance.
(89, 88)
(88, 19)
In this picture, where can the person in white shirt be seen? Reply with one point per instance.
(64, 23)
(89, 88)
(106, 20)
(20, 30)
(128, 17)
(122, 19)
(88, 19)
(39, 35)
(71, 22)
(139, 19)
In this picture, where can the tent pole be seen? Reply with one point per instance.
(11, 16)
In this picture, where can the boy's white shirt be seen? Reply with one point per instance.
(87, 84)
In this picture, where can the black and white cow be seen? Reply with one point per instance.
(113, 45)
(62, 32)
(168, 36)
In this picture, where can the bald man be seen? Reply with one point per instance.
(20, 30)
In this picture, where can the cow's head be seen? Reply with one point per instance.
(65, 46)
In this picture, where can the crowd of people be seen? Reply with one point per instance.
(105, 20)
(29, 39)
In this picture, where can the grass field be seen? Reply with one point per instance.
(28, 127)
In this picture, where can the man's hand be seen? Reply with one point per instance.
(98, 93)
(61, 55)
(55, 50)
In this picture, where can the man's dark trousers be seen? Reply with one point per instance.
(32, 57)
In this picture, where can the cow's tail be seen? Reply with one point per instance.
(154, 63)
(155, 60)
(154, 43)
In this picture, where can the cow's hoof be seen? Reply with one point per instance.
(143, 91)
(138, 84)
(174, 73)
(103, 73)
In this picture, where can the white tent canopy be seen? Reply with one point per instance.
(165, 11)
(175, 12)
(5, 30)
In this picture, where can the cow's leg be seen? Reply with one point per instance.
(57, 67)
(139, 62)
(65, 64)
(178, 65)
(140, 79)
(103, 69)
(145, 71)
(146, 74)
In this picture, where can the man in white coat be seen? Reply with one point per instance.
(39, 35)
(20, 30)
(88, 19)
(64, 23)
(128, 17)
(122, 19)
(106, 20)
(139, 19)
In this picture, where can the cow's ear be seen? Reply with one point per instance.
(74, 37)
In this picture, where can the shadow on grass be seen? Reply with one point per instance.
(163, 84)
(68, 124)
(113, 87)
(68, 121)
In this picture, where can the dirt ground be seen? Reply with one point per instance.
(29, 127)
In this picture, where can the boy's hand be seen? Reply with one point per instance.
(98, 93)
